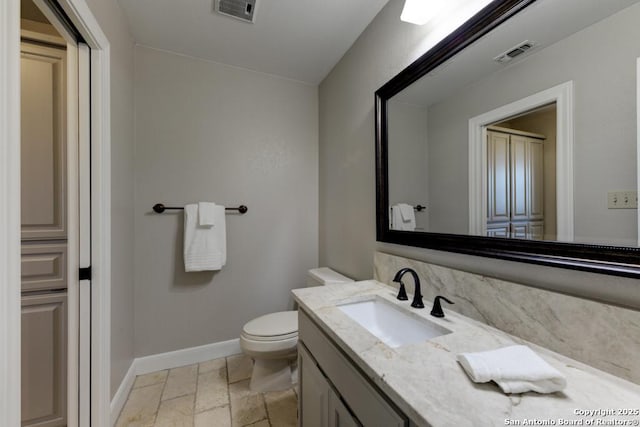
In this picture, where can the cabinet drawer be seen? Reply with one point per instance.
(44, 266)
(365, 401)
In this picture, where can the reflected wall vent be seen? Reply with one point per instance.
(243, 10)
(515, 51)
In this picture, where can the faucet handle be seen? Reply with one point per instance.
(402, 293)
(436, 311)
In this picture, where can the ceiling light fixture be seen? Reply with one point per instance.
(420, 12)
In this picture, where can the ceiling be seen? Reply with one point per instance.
(296, 39)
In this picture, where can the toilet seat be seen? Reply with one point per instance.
(272, 335)
(273, 326)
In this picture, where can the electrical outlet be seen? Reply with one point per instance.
(622, 199)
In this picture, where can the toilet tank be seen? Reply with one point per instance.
(325, 276)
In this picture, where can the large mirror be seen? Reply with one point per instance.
(516, 137)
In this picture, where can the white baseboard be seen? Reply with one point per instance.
(120, 398)
(187, 356)
(172, 359)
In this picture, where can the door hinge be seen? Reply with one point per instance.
(85, 273)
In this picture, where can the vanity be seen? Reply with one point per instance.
(351, 377)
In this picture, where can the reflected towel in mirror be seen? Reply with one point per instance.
(403, 217)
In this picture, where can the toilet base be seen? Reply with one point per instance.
(273, 375)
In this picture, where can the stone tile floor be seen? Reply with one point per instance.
(209, 394)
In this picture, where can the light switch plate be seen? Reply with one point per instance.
(622, 199)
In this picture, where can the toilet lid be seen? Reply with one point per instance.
(283, 324)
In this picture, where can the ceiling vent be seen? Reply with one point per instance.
(240, 9)
(515, 51)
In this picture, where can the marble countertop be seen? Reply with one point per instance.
(426, 382)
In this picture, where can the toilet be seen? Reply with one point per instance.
(271, 340)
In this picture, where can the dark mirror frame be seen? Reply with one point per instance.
(612, 260)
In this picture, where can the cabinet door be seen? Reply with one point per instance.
(313, 404)
(44, 372)
(43, 142)
(498, 191)
(339, 415)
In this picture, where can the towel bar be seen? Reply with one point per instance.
(159, 208)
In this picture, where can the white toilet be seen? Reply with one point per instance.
(271, 340)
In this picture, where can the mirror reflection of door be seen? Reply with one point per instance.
(521, 181)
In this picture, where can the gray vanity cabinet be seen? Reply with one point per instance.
(333, 392)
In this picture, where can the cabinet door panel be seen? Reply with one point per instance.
(44, 266)
(43, 142)
(44, 373)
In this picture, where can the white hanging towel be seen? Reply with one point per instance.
(205, 247)
(516, 369)
(403, 217)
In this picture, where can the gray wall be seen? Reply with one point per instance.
(114, 25)
(407, 127)
(207, 131)
(347, 169)
(601, 61)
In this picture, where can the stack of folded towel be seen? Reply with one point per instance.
(516, 369)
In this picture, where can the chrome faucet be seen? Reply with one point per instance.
(402, 294)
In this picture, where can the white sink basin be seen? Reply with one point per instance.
(391, 324)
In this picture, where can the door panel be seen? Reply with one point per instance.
(44, 370)
(519, 166)
(498, 205)
(44, 266)
(43, 141)
(536, 179)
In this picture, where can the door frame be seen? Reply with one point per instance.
(562, 95)
(80, 15)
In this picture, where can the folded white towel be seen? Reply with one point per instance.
(516, 369)
(205, 247)
(398, 221)
(206, 214)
